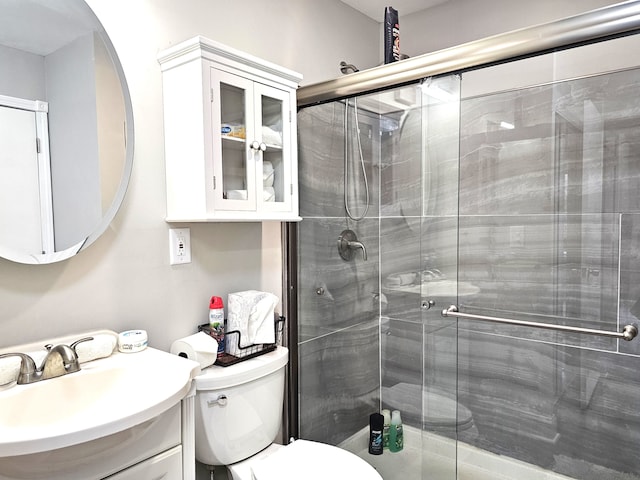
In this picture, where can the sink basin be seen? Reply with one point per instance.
(106, 396)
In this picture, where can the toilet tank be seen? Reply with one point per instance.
(239, 408)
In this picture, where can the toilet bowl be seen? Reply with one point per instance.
(303, 459)
(238, 415)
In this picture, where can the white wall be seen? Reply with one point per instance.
(124, 280)
(27, 74)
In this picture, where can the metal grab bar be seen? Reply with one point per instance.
(629, 332)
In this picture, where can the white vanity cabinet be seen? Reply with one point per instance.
(230, 135)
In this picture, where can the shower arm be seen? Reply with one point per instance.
(629, 332)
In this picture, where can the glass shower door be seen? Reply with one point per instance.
(548, 233)
(443, 419)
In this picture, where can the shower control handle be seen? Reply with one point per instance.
(348, 243)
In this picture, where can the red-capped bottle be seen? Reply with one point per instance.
(216, 322)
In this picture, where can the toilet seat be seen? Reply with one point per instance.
(308, 460)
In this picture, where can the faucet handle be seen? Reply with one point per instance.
(28, 373)
(75, 344)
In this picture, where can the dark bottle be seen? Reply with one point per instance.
(376, 423)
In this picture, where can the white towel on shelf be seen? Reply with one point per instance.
(269, 194)
(236, 194)
(271, 136)
(267, 174)
(252, 314)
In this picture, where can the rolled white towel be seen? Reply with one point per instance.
(10, 366)
(101, 346)
(9, 369)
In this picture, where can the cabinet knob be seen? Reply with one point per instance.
(263, 146)
(255, 145)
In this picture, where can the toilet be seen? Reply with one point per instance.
(238, 416)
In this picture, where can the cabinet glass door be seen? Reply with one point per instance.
(273, 132)
(233, 130)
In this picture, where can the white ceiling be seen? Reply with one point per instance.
(375, 8)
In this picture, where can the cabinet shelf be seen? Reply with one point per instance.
(233, 143)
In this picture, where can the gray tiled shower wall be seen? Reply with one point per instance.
(546, 227)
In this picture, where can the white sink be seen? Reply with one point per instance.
(106, 396)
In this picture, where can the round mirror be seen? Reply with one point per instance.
(66, 130)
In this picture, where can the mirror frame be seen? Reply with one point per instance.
(110, 213)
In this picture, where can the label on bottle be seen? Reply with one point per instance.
(385, 437)
(375, 442)
(399, 440)
(216, 325)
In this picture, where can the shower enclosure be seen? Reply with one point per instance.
(510, 191)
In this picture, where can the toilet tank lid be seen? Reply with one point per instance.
(215, 377)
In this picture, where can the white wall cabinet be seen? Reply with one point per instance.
(230, 135)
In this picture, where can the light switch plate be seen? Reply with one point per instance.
(179, 246)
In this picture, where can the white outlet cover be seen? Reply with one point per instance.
(179, 246)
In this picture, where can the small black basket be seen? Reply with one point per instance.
(241, 354)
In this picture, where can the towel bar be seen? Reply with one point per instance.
(629, 332)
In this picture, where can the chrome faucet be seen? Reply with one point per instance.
(60, 360)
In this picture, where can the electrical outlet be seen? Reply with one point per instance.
(179, 246)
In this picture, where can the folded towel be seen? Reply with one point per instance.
(269, 194)
(252, 314)
(236, 194)
(267, 174)
(262, 320)
(271, 136)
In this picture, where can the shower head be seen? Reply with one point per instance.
(345, 67)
